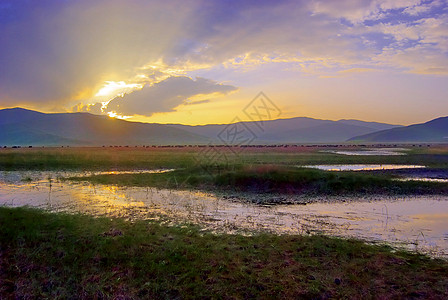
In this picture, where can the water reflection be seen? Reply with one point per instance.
(416, 223)
(119, 172)
(425, 179)
(33, 177)
(369, 152)
(369, 167)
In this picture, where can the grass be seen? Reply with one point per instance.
(273, 179)
(93, 158)
(153, 158)
(253, 170)
(44, 255)
(60, 256)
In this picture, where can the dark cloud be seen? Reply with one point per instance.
(60, 52)
(166, 95)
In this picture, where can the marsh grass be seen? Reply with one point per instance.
(157, 158)
(265, 170)
(273, 179)
(61, 256)
(94, 158)
(27, 179)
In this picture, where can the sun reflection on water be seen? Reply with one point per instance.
(401, 221)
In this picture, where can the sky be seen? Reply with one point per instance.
(202, 62)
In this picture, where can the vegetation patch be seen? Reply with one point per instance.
(128, 158)
(60, 256)
(273, 179)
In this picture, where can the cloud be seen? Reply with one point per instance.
(362, 10)
(90, 108)
(60, 53)
(419, 59)
(191, 102)
(166, 95)
(357, 70)
(417, 47)
(56, 53)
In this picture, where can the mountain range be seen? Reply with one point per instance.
(434, 131)
(24, 127)
(294, 130)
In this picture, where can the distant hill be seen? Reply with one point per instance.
(25, 127)
(435, 131)
(295, 130)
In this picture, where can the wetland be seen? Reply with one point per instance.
(397, 212)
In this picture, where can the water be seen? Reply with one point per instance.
(15, 176)
(369, 152)
(416, 223)
(369, 167)
(424, 179)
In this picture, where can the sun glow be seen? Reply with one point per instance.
(113, 114)
(112, 89)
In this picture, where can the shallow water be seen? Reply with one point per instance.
(369, 167)
(368, 152)
(419, 223)
(15, 176)
(425, 179)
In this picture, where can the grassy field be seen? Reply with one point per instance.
(44, 255)
(58, 256)
(94, 158)
(169, 157)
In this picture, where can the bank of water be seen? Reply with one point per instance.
(416, 223)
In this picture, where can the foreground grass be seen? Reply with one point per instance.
(45, 255)
(273, 179)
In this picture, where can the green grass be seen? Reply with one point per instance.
(45, 255)
(59, 256)
(268, 170)
(272, 179)
(265, 170)
(150, 158)
(94, 158)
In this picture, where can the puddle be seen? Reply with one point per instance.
(367, 152)
(32, 176)
(361, 167)
(424, 179)
(158, 171)
(416, 223)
